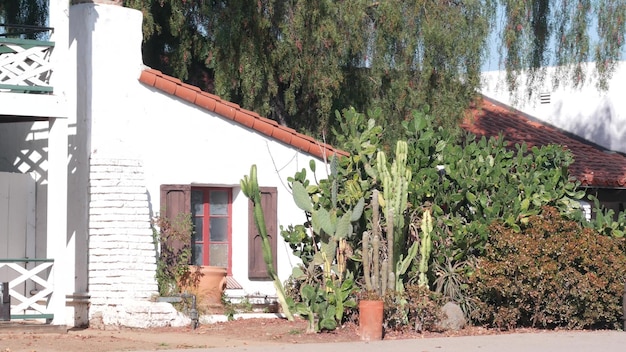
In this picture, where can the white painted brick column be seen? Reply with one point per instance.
(122, 253)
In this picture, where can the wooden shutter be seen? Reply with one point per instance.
(257, 269)
(175, 199)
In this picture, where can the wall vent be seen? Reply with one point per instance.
(544, 98)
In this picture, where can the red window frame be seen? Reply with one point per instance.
(206, 217)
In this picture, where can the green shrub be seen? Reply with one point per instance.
(555, 273)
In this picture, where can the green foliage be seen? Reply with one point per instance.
(451, 281)
(250, 188)
(554, 273)
(298, 61)
(24, 12)
(173, 236)
(531, 27)
(331, 227)
(606, 221)
(324, 309)
(325, 245)
(482, 180)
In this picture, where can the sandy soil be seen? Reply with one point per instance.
(253, 332)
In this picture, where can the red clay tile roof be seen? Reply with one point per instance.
(593, 166)
(252, 120)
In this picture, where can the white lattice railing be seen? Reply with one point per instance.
(25, 65)
(29, 271)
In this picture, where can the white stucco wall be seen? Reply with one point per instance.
(117, 120)
(210, 150)
(174, 141)
(599, 117)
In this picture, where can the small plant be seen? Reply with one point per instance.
(245, 305)
(415, 307)
(173, 236)
(295, 332)
(324, 307)
(424, 307)
(229, 308)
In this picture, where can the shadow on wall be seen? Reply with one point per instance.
(600, 127)
(24, 149)
(20, 152)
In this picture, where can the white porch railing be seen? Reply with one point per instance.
(39, 274)
(25, 65)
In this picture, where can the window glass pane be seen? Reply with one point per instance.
(196, 203)
(197, 254)
(218, 202)
(197, 229)
(218, 255)
(219, 229)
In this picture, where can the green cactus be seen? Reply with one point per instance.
(330, 229)
(371, 256)
(426, 247)
(250, 188)
(395, 182)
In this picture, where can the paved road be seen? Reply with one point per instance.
(568, 341)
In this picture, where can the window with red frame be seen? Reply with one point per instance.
(212, 218)
(211, 210)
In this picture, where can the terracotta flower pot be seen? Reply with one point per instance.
(212, 284)
(208, 284)
(371, 320)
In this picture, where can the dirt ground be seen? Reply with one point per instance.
(253, 332)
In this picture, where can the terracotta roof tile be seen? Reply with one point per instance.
(281, 134)
(206, 102)
(243, 118)
(225, 110)
(263, 126)
(249, 119)
(593, 165)
(166, 85)
(186, 94)
(147, 78)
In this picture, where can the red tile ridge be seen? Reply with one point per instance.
(250, 119)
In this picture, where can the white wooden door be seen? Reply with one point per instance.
(17, 222)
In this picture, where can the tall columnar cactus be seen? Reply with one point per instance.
(250, 188)
(395, 183)
(370, 250)
(426, 246)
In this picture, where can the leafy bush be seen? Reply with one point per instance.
(555, 273)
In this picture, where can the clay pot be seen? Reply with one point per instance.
(211, 286)
(208, 284)
(371, 320)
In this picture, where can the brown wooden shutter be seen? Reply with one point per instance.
(257, 269)
(175, 199)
